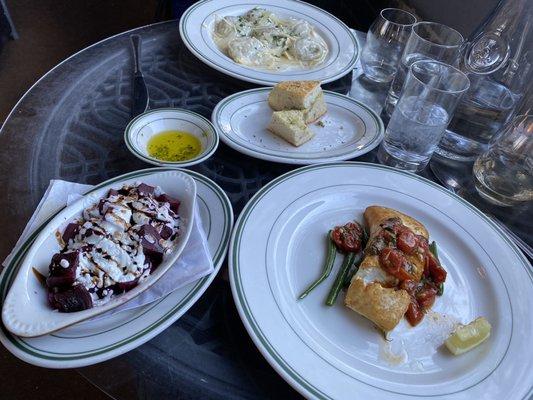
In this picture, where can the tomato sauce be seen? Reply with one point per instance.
(392, 245)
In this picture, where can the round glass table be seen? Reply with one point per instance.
(70, 125)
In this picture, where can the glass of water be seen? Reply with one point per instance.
(385, 42)
(504, 174)
(428, 40)
(428, 99)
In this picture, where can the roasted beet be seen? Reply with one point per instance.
(112, 192)
(71, 231)
(77, 298)
(174, 203)
(63, 269)
(150, 242)
(121, 287)
(165, 232)
(145, 190)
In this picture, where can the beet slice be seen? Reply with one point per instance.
(70, 231)
(174, 203)
(121, 287)
(74, 299)
(145, 190)
(61, 276)
(166, 232)
(150, 242)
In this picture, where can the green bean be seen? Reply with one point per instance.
(348, 261)
(434, 251)
(328, 266)
(352, 271)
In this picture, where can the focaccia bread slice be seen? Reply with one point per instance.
(372, 292)
(294, 95)
(290, 125)
(317, 109)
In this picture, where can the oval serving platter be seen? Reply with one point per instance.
(94, 341)
(26, 311)
(349, 129)
(197, 23)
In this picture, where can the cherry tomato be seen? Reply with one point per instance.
(391, 260)
(409, 285)
(426, 265)
(348, 237)
(387, 235)
(422, 243)
(414, 315)
(406, 241)
(426, 296)
(402, 274)
(437, 273)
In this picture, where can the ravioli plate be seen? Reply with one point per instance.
(197, 25)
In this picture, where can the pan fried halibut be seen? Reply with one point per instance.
(398, 275)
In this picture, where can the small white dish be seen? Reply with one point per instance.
(197, 24)
(349, 129)
(26, 312)
(144, 126)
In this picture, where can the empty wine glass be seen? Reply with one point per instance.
(385, 42)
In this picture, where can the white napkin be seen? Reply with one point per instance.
(194, 262)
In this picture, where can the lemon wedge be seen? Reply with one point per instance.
(466, 337)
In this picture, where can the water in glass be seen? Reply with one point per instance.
(414, 131)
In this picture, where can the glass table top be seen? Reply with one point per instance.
(70, 126)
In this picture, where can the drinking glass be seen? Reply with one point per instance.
(504, 174)
(430, 94)
(428, 40)
(385, 42)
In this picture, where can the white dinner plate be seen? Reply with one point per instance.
(98, 340)
(278, 248)
(197, 24)
(349, 129)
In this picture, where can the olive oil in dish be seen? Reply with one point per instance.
(174, 145)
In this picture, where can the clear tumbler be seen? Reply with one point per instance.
(429, 97)
(428, 41)
(385, 42)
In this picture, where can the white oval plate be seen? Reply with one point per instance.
(141, 129)
(197, 24)
(350, 129)
(26, 312)
(90, 342)
(278, 248)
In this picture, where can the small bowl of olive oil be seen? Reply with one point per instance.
(171, 137)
